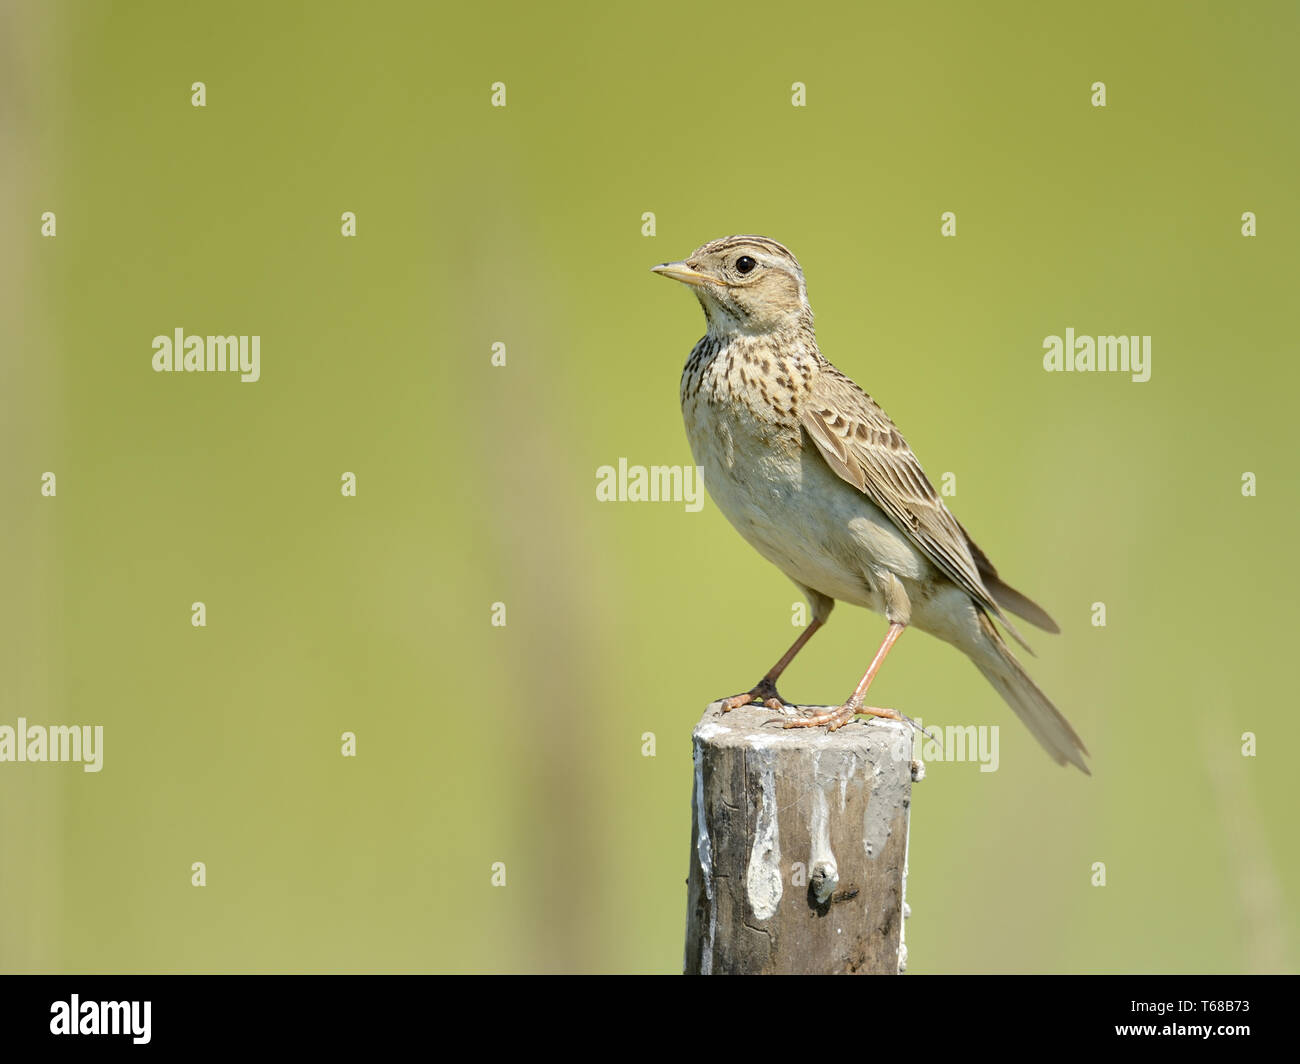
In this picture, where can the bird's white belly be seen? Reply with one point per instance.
(782, 497)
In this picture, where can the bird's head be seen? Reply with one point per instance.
(746, 284)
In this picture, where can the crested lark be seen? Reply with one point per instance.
(817, 478)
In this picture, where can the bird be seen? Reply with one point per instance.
(814, 475)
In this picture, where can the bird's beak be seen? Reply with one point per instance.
(679, 271)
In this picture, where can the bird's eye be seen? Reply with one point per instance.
(744, 264)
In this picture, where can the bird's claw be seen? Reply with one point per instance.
(835, 718)
(764, 692)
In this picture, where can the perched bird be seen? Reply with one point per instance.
(816, 477)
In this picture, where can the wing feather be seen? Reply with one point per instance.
(862, 445)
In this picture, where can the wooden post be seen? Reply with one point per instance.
(798, 846)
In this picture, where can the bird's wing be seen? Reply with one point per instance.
(1007, 596)
(862, 445)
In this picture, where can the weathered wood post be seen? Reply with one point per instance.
(798, 846)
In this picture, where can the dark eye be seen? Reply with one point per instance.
(744, 264)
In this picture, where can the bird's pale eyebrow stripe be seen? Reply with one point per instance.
(771, 246)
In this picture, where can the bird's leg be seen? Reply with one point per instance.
(837, 718)
(765, 690)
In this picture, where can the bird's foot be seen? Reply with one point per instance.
(764, 693)
(841, 715)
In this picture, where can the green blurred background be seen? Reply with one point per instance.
(480, 744)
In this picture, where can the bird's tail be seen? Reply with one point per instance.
(1033, 707)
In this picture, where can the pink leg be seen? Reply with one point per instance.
(837, 718)
(765, 690)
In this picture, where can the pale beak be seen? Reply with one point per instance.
(679, 271)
